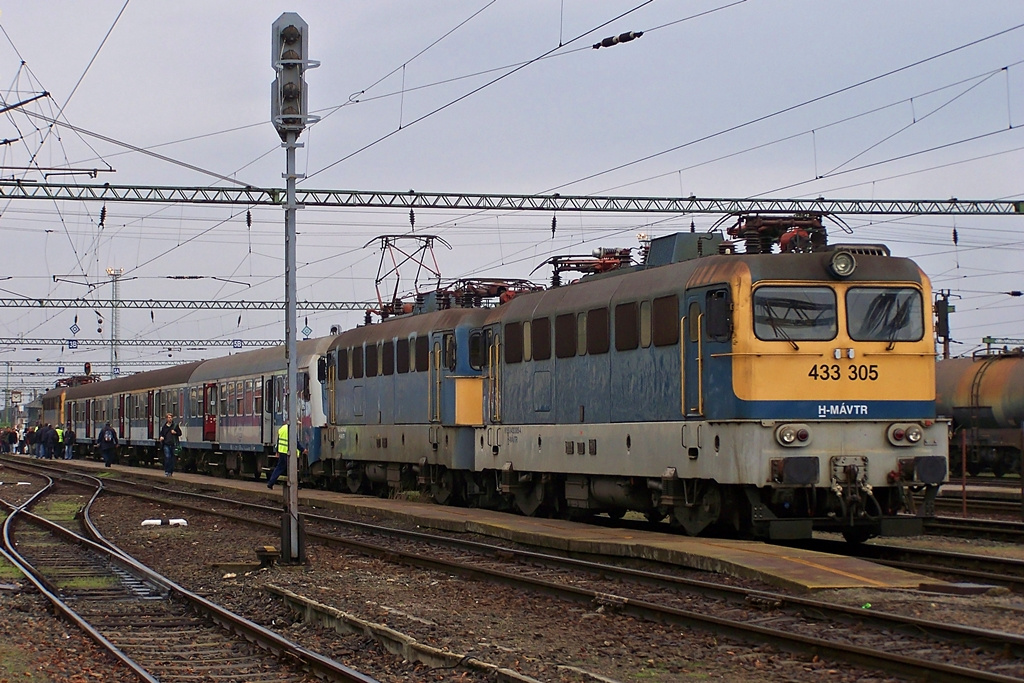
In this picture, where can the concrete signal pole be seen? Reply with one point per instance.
(290, 114)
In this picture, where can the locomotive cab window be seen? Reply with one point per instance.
(718, 305)
(795, 313)
(884, 314)
(477, 350)
(449, 351)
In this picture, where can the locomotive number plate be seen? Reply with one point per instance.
(834, 372)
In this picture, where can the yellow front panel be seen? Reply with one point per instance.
(469, 400)
(775, 371)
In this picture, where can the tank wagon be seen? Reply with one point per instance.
(774, 392)
(984, 396)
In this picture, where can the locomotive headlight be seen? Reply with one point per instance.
(842, 264)
(907, 434)
(793, 435)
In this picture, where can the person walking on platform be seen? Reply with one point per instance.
(169, 434)
(107, 442)
(282, 456)
(69, 441)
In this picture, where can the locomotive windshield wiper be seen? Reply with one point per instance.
(776, 328)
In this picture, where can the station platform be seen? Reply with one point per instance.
(777, 565)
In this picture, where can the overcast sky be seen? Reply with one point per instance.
(843, 99)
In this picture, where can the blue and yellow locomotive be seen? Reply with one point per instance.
(762, 393)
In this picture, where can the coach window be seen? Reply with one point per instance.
(889, 314)
(795, 313)
(422, 353)
(193, 403)
(513, 343)
(257, 398)
(645, 324)
(248, 397)
(239, 397)
(477, 350)
(598, 337)
(665, 321)
(357, 362)
(371, 360)
(388, 359)
(449, 351)
(223, 394)
(231, 398)
(540, 338)
(402, 355)
(565, 335)
(342, 364)
(627, 327)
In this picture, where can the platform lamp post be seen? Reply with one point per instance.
(290, 114)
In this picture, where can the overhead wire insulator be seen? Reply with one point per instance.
(955, 237)
(248, 219)
(621, 38)
(412, 219)
(554, 223)
(103, 215)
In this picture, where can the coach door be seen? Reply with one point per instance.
(210, 412)
(150, 407)
(88, 418)
(120, 414)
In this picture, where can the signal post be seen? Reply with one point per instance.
(290, 114)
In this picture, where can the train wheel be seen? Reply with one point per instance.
(857, 534)
(447, 489)
(707, 510)
(530, 497)
(655, 516)
(355, 479)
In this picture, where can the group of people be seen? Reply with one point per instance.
(46, 441)
(41, 440)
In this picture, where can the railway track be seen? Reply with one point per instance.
(992, 529)
(864, 637)
(156, 628)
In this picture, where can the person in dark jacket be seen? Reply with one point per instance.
(69, 441)
(49, 441)
(107, 442)
(169, 434)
